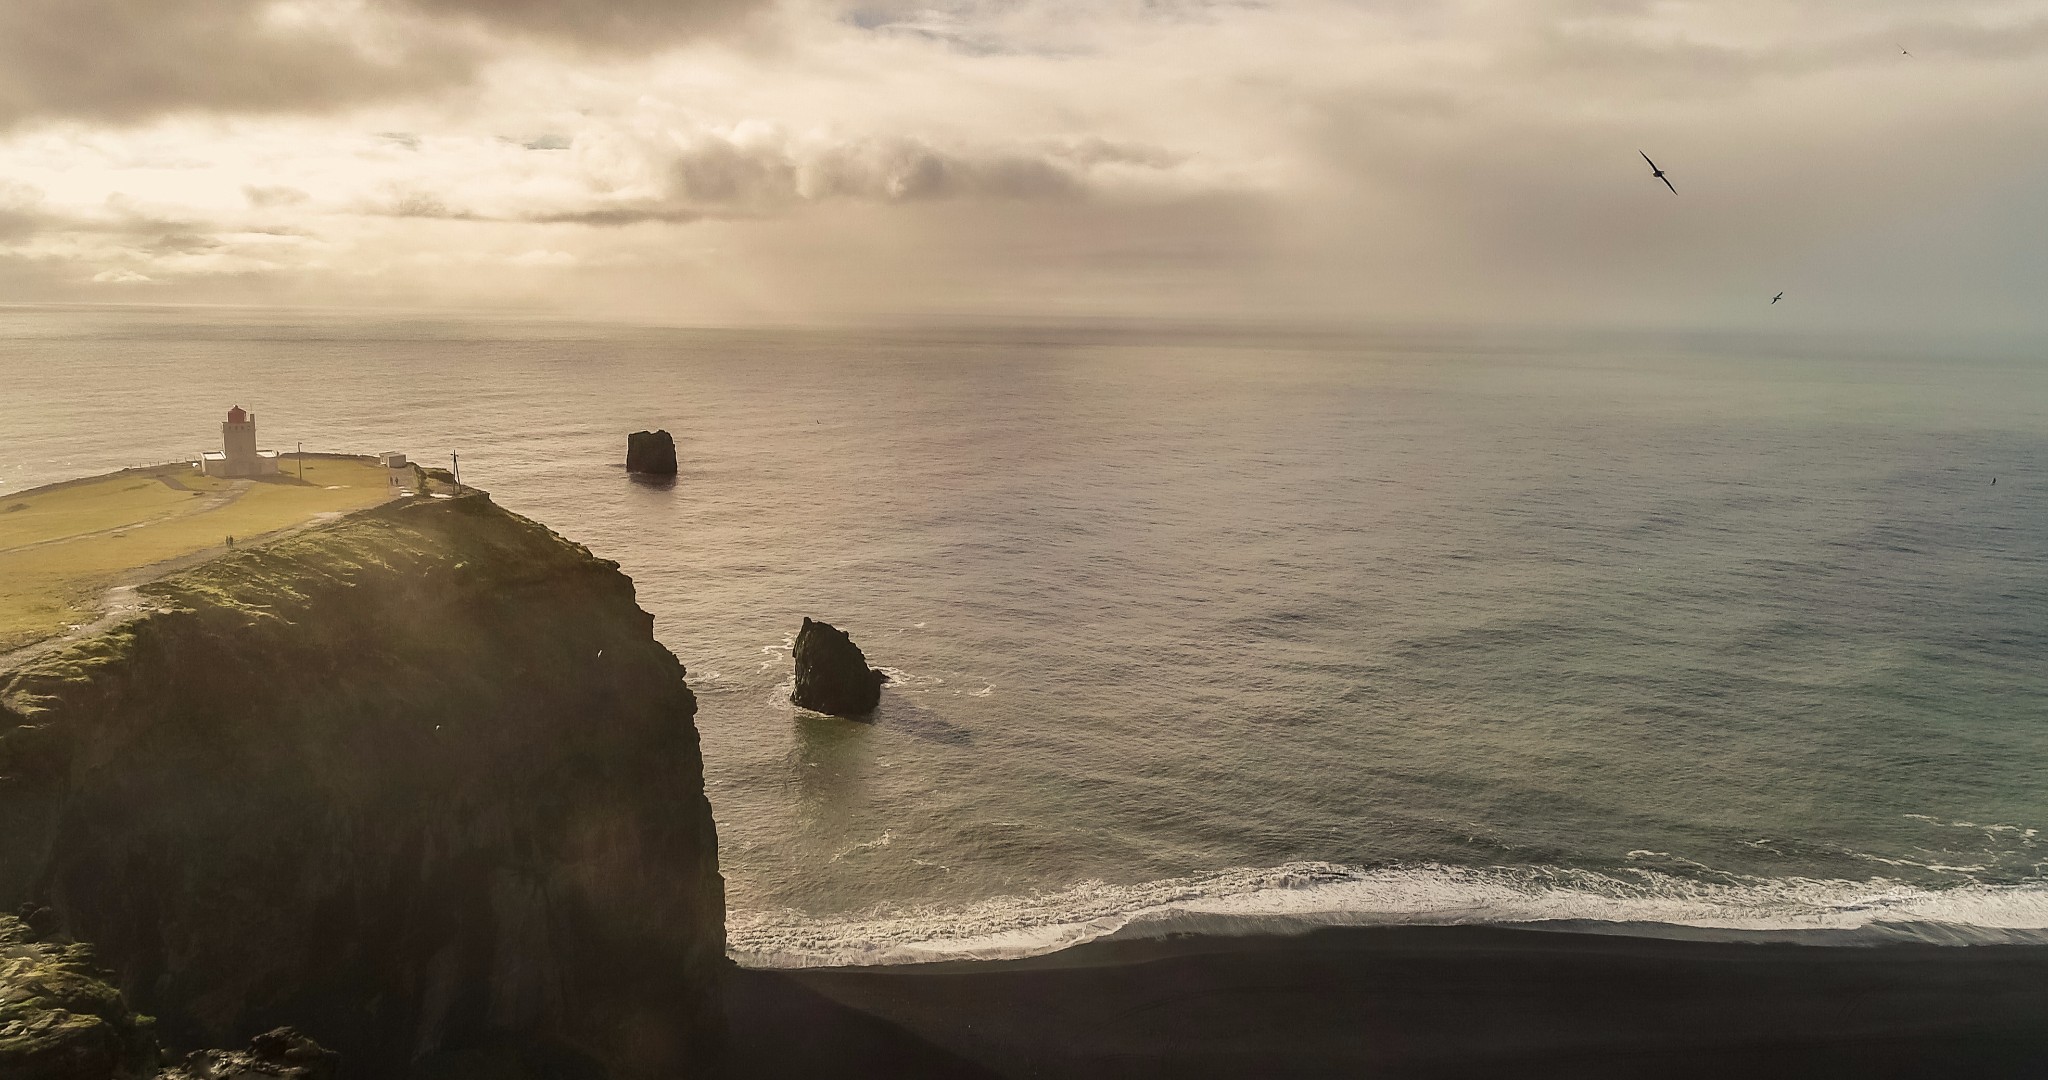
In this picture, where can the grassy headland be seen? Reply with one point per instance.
(63, 546)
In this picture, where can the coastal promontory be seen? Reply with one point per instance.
(418, 782)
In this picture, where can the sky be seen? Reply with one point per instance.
(1884, 163)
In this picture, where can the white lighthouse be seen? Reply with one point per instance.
(238, 455)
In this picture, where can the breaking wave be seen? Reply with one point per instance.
(1302, 896)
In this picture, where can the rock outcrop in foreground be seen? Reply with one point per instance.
(60, 1016)
(283, 1054)
(420, 783)
(832, 676)
(62, 1019)
(651, 452)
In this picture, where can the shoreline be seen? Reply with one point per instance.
(1302, 897)
(1410, 1001)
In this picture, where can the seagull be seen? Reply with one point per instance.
(1658, 173)
(1777, 298)
(1903, 52)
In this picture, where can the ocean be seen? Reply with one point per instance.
(1228, 628)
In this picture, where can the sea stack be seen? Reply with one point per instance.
(831, 674)
(651, 452)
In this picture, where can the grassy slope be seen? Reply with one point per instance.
(62, 547)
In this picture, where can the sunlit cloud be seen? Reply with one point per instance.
(1310, 159)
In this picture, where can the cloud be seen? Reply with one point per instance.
(118, 61)
(775, 170)
(1464, 159)
(614, 24)
(19, 213)
(417, 204)
(26, 213)
(126, 61)
(754, 172)
(273, 195)
(612, 217)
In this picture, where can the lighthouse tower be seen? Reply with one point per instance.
(238, 437)
(238, 455)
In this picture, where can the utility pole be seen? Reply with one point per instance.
(302, 462)
(455, 460)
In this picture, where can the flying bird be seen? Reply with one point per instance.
(1657, 173)
(1777, 298)
(1903, 52)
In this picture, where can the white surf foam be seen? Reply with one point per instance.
(1306, 895)
(877, 844)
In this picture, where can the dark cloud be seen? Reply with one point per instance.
(264, 197)
(631, 24)
(716, 178)
(613, 217)
(183, 243)
(128, 60)
(123, 61)
(426, 205)
(418, 204)
(722, 172)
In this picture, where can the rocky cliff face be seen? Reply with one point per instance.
(421, 784)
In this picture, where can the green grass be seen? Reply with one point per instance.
(68, 544)
(91, 506)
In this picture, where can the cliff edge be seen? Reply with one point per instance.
(420, 783)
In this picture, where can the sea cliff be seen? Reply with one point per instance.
(420, 783)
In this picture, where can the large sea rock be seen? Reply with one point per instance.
(832, 676)
(420, 783)
(651, 452)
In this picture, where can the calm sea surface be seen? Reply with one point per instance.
(1186, 627)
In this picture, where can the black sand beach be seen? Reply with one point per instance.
(1411, 1001)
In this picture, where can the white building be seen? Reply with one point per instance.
(238, 455)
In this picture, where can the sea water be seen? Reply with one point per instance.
(1211, 628)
